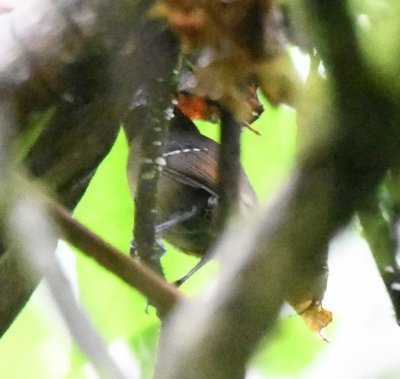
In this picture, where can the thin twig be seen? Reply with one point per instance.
(229, 168)
(161, 294)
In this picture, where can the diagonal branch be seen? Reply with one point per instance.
(161, 294)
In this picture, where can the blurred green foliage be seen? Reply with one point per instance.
(377, 25)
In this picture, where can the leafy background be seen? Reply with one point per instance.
(364, 335)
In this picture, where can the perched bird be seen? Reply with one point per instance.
(188, 204)
(188, 193)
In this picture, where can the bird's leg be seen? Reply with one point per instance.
(175, 220)
(210, 209)
(200, 264)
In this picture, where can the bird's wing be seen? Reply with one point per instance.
(194, 166)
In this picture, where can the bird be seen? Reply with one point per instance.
(188, 190)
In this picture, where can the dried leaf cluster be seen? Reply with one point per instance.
(233, 44)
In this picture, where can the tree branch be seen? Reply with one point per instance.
(17, 280)
(148, 121)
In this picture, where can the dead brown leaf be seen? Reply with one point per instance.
(233, 42)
